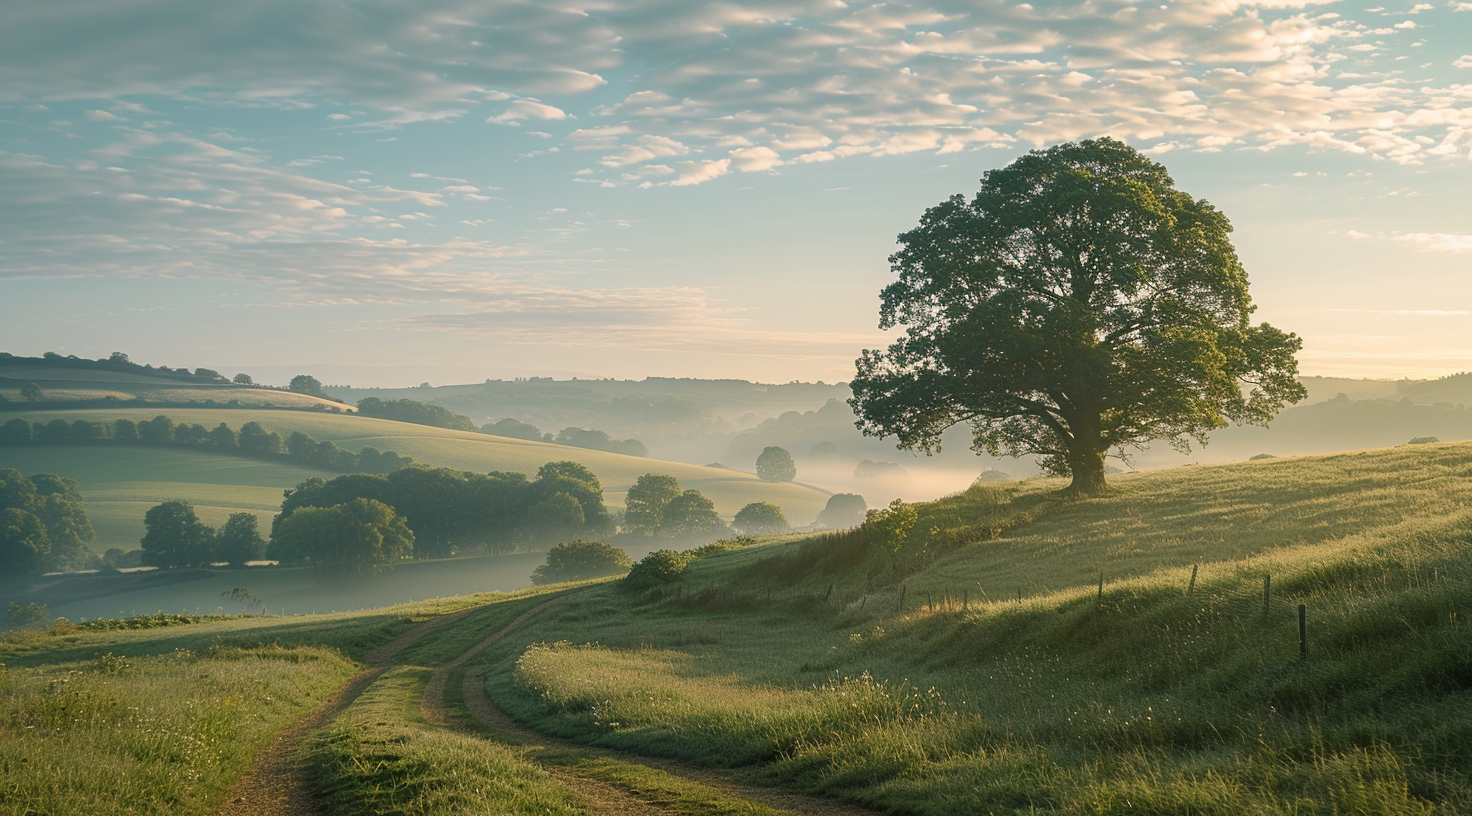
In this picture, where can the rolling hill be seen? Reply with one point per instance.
(1019, 652)
(63, 383)
(123, 482)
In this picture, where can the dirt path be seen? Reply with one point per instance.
(598, 796)
(273, 786)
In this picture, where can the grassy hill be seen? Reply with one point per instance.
(65, 384)
(122, 483)
(983, 667)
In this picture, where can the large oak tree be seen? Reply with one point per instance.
(1078, 304)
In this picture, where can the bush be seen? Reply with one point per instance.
(658, 567)
(581, 560)
(760, 518)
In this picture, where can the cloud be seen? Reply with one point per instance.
(1438, 241)
(525, 109)
(697, 172)
(800, 78)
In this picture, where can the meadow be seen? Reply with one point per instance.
(729, 489)
(983, 667)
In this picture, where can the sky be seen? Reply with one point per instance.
(391, 191)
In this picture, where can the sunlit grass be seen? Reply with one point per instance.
(163, 734)
(1145, 698)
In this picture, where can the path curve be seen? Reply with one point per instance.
(600, 796)
(274, 786)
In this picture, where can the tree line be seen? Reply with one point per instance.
(438, 416)
(251, 440)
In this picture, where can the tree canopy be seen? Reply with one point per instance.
(760, 518)
(692, 514)
(581, 560)
(345, 541)
(49, 528)
(305, 384)
(175, 537)
(1078, 304)
(843, 510)
(645, 503)
(775, 464)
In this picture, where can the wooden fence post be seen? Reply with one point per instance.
(1190, 588)
(1100, 599)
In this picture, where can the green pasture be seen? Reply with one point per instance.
(121, 483)
(89, 384)
(981, 668)
(482, 453)
(920, 683)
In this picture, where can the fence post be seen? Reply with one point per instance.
(965, 600)
(1019, 594)
(1302, 632)
(828, 596)
(1190, 588)
(1100, 598)
(1267, 593)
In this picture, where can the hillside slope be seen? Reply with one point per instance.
(985, 668)
(261, 483)
(63, 384)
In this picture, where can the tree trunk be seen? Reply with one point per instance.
(1088, 474)
(1086, 458)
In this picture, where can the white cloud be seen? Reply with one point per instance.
(1438, 241)
(699, 171)
(524, 109)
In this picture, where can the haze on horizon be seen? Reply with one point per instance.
(643, 188)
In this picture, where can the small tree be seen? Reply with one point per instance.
(305, 384)
(348, 540)
(23, 545)
(645, 503)
(175, 537)
(243, 379)
(775, 465)
(239, 540)
(760, 518)
(31, 392)
(692, 514)
(890, 527)
(843, 510)
(581, 560)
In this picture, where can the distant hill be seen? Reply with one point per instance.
(135, 478)
(68, 380)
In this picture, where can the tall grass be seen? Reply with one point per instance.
(1141, 698)
(381, 756)
(164, 734)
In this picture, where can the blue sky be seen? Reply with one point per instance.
(635, 188)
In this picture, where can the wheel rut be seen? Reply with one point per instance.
(601, 797)
(274, 785)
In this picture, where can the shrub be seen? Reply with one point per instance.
(658, 567)
(581, 560)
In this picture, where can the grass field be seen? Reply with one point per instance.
(87, 384)
(921, 683)
(730, 490)
(121, 483)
